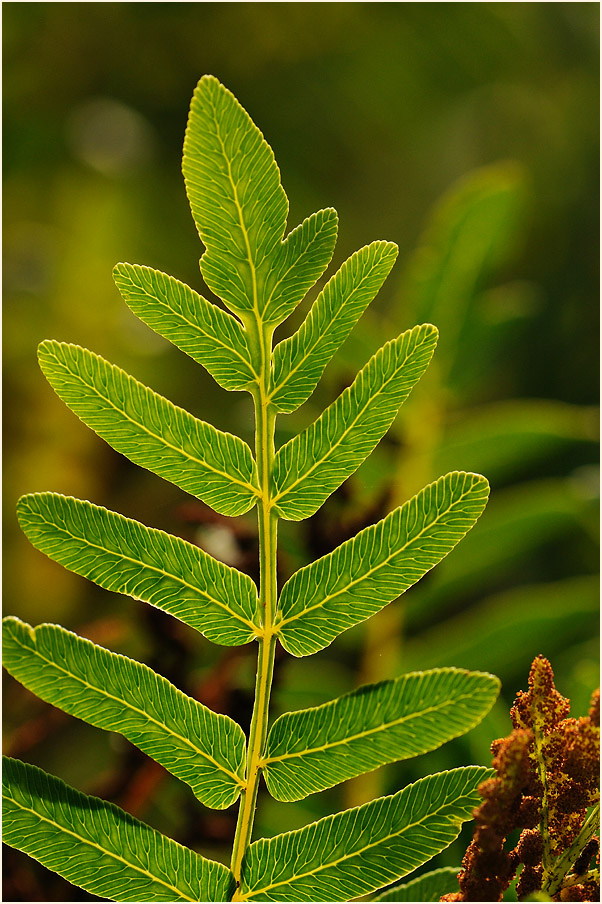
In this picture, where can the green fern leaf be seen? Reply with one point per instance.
(300, 360)
(427, 887)
(312, 465)
(99, 847)
(208, 334)
(200, 747)
(151, 431)
(237, 201)
(298, 263)
(373, 568)
(317, 748)
(355, 852)
(147, 564)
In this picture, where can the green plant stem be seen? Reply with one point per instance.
(553, 882)
(265, 418)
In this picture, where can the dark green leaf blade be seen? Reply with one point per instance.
(237, 201)
(312, 465)
(216, 467)
(314, 749)
(210, 335)
(99, 847)
(202, 748)
(427, 887)
(298, 263)
(355, 852)
(127, 557)
(300, 360)
(373, 568)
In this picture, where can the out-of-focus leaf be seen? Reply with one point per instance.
(517, 521)
(471, 231)
(502, 439)
(499, 633)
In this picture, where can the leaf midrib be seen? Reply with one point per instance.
(356, 853)
(332, 448)
(155, 568)
(123, 702)
(199, 461)
(365, 575)
(99, 847)
(241, 218)
(364, 734)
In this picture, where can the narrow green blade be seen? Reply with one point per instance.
(237, 201)
(373, 568)
(198, 746)
(317, 748)
(99, 847)
(427, 887)
(127, 557)
(472, 230)
(216, 467)
(312, 465)
(357, 851)
(298, 263)
(208, 334)
(300, 360)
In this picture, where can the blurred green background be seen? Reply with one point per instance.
(465, 132)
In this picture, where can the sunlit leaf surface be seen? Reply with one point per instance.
(127, 557)
(99, 847)
(344, 856)
(316, 748)
(202, 748)
(373, 568)
(152, 432)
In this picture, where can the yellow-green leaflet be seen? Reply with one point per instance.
(155, 434)
(426, 887)
(317, 748)
(240, 209)
(207, 333)
(373, 568)
(99, 847)
(127, 557)
(200, 747)
(312, 465)
(344, 856)
(300, 360)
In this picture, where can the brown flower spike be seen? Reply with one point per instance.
(547, 777)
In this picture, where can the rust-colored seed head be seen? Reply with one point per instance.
(594, 708)
(528, 812)
(542, 707)
(530, 847)
(529, 881)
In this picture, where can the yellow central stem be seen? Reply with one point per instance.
(267, 523)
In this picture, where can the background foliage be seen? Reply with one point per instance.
(466, 133)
